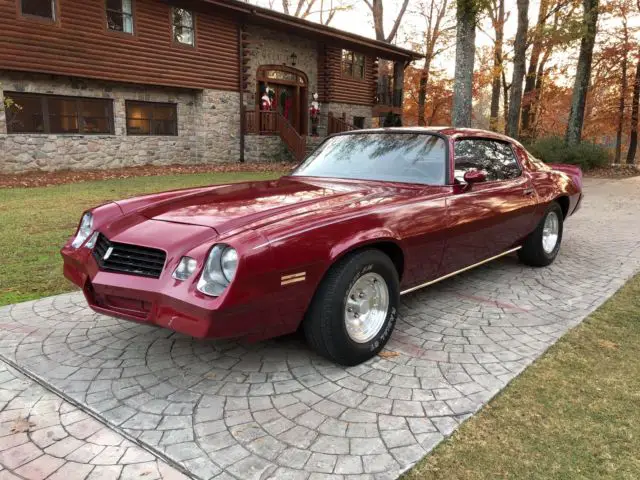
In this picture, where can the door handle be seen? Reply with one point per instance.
(528, 191)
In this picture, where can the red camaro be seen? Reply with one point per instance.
(369, 216)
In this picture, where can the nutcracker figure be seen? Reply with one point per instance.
(265, 101)
(314, 111)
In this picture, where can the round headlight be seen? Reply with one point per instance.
(219, 269)
(229, 263)
(84, 230)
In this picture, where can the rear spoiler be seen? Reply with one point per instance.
(574, 172)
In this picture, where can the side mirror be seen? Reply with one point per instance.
(474, 176)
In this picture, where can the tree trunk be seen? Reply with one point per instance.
(535, 104)
(377, 10)
(519, 66)
(465, 58)
(378, 23)
(422, 93)
(583, 73)
(623, 90)
(497, 67)
(623, 94)
(635, 106)
(530, 80)
(505, 99)
(539, 78)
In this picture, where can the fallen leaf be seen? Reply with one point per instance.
(388, 354)
(40, 179)
(608, 344)
(22, 425)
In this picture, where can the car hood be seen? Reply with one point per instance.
(231, 207)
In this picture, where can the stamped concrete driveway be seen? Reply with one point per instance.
(230, 410)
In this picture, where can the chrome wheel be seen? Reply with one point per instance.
(366, 307)
(550, 232)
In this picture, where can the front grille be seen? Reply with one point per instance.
(130, 259)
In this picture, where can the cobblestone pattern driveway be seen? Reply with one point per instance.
(43, 436)
(273, 409)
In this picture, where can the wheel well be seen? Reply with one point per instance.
(564, 205)
(391, 250)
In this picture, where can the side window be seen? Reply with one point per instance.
(39, 8)
(358, 122)
(494, 158)
(120, 15)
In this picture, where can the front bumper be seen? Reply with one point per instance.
(164, 302)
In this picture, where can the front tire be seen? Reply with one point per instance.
(355, 308)
(543, 244)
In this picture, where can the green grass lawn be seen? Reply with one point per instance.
(35, 223)
(574, 414)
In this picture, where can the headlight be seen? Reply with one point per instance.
(84, 230)
(229, 262)
(219, 270)
(185, 268)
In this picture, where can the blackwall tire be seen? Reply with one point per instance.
(543, 244)
(344, 322)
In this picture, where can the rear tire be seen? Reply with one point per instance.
(346, 321)
(543, 244)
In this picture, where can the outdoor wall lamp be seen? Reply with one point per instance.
(294, 58)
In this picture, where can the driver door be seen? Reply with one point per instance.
(490, 217)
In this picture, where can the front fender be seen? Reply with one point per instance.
(359, 240)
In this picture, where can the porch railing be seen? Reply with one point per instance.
(262, 122)
(296, 143)
(338, 125)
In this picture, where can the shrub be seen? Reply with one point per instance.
(586, 155)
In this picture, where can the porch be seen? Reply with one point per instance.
(274, 123)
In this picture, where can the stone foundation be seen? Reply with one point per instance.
(265, 148)
(208, 120)
(208, 128)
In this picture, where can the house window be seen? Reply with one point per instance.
(38, 8)
(352, 64)
(120, 15)
(183, 26)
(358, 122)
(35, 113)
(148, 118)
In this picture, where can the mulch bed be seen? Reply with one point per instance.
(43, 179)
(614, 172)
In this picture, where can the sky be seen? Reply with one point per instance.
(358, 20)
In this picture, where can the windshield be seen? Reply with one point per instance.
(391, 157)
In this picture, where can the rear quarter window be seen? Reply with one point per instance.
(497, 159)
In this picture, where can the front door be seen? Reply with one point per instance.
(288, 103)
(289, 97)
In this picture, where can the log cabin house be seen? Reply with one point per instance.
(110, 83)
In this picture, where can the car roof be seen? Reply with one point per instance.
(442, 130)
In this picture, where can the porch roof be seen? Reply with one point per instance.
(248, 13)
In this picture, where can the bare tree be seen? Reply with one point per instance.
(583, 72)
(467, 16)
(324, 10)
(498, 19)
(623, 83)
(435, 42)
(635, 106)
(519, 66)
(377, 10)
(536, 51)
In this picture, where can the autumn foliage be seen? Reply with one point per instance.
(552, 52)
